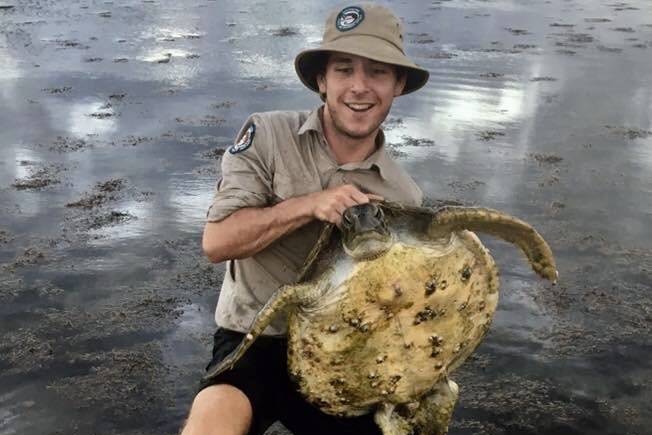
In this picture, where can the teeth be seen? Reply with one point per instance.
(359, 106)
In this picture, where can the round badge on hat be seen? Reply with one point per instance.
(349, 18)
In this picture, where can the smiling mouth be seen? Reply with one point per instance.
(359, 107)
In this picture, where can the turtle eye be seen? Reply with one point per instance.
(378, 212)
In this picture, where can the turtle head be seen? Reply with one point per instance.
(364, 231)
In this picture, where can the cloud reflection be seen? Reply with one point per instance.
(87, 117)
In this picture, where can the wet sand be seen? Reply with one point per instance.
(115, 116)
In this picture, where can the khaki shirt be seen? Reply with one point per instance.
(288, 157)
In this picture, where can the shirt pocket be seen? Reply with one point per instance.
(287, 185)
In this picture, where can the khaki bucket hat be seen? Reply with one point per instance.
(366, 30)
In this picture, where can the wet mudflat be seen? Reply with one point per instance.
(114, 116)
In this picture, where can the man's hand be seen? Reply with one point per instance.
(329, 205)
(250, 230)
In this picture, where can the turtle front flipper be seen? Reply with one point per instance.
(280, 300)
(501, 225)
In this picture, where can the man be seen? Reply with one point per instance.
(286, 174)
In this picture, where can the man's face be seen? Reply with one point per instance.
(359, 93)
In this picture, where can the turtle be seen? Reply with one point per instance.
(386, 308)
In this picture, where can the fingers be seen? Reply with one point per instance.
(361, 197)
(330, 204)
(336, 215)
(358, 196)
(374, 197)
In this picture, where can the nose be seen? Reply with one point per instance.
(359, 80)
(350, 217)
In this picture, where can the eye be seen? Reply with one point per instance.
(377, 211)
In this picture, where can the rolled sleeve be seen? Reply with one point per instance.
(246, 175)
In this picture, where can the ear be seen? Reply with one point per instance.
(321, 83)
(400, 83)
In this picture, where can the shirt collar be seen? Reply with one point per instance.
(379, 159)
(312, 122)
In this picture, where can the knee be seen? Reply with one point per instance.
(221, 396)
(219, 409)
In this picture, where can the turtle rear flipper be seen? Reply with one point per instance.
(284, 297)
(504, 226)
(431, 415)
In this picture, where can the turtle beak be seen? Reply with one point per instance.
(365, 232)
(364, 217)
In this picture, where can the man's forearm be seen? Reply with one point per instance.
(250, 230)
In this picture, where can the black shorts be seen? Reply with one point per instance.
(261, 374)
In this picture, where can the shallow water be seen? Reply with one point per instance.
(121, 110)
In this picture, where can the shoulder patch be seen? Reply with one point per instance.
(245, 141)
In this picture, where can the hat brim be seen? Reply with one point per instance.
(308, 63)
